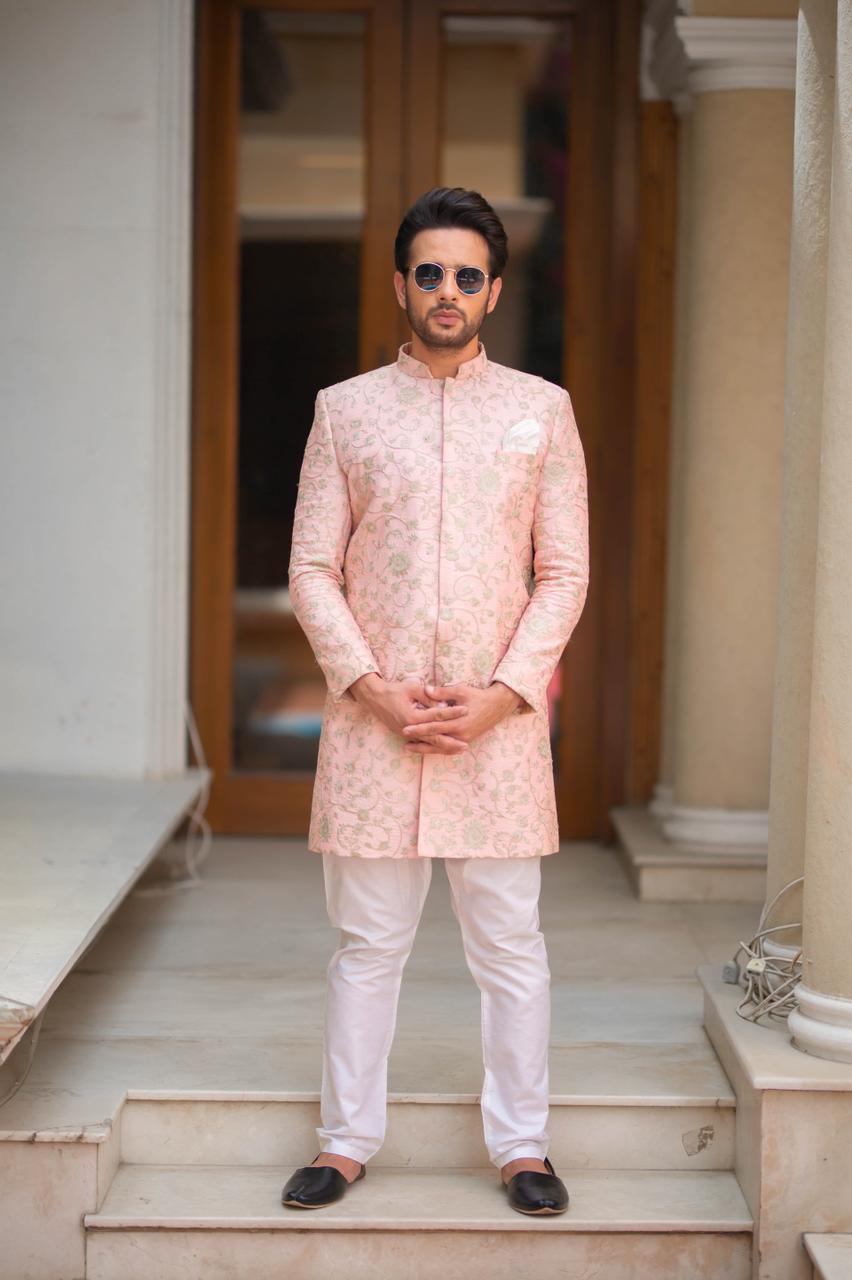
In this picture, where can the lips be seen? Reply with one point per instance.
(447, 315)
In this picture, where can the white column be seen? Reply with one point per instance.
(802, 440)
(729, 396)
(822, 1024)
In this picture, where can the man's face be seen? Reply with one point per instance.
(445, 318)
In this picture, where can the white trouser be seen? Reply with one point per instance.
(376, 903)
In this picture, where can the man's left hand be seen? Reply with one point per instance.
(483, 709)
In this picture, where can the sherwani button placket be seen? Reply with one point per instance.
(428, 759)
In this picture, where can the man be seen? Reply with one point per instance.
(432, 490)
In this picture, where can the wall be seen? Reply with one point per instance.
(94, 235)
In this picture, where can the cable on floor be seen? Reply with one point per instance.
(770, 981)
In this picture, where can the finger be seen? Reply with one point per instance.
(431, 703)
(438, 691)
(428, 733)
(441, 744)
(438, 719)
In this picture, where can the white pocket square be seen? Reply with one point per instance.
(522, 437)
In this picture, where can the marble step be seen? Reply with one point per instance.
(71, 849)
(831, 1254)
(432, 1129)
(172, 1221)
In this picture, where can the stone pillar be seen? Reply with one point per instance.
(803, 430)
(730, 354)
(822, 1024)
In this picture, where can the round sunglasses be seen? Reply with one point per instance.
(428, 276)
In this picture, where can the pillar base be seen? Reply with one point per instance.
(663, 870)
(710, 830)
(822, 1025)
(737, 831)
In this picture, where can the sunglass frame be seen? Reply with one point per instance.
(469, 293)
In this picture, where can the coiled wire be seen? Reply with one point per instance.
(770, 981)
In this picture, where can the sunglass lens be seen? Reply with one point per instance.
(428, 275)
(470, 279)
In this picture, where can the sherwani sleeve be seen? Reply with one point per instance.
(322, 524)
(560, 565)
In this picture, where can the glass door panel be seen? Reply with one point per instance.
(301, 207)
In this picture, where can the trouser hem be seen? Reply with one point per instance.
(532, 1150)
(341, 1149)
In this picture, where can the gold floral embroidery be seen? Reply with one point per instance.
(423, 546)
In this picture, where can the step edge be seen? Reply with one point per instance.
(670, 1101)
(562, 1223)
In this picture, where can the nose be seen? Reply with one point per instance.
(447, 290)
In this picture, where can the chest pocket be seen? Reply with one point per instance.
(518, 471)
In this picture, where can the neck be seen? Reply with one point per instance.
(444, 362)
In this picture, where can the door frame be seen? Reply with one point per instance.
(242, 802)
(595, 743)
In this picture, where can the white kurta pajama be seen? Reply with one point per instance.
(424, 507)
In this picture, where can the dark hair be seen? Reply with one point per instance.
(453, 207)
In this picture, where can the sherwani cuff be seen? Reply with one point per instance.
(340, 687)
(532, 699)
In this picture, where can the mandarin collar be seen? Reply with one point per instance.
(407, 363)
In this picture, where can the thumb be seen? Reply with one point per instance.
(441, 690)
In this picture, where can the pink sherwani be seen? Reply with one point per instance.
(425, 507)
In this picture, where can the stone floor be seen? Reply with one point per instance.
(219, 990)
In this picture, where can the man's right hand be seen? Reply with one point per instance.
(393, 700)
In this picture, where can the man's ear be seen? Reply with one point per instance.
(399, 288)
(496, 286)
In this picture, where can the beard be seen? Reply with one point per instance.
(431, 334)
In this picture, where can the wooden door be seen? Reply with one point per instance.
(317, 123)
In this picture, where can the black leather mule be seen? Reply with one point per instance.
(316, 1185)
(533, 1192)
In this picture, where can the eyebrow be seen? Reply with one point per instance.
(454, 265)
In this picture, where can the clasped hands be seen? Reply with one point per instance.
(434, 719)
